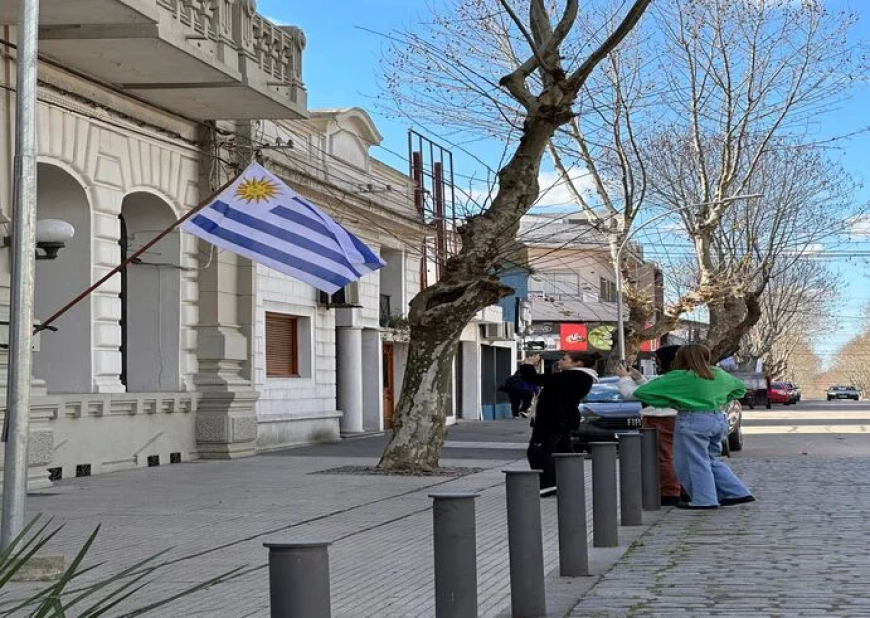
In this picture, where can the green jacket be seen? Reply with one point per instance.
(687, 391)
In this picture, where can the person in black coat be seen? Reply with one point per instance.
(557, 412)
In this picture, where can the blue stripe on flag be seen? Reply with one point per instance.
(270, 252)
(283, 234)
(296, 217)
(371, 259)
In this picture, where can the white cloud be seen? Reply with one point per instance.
(555, 191)
(811, 250)
(860, 227)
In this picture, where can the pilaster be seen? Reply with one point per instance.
(226, 423)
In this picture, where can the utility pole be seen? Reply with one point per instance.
(23, 255)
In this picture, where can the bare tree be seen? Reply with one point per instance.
(535, 99)
(744, 80)
(794, 308)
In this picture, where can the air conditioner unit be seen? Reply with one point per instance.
(491, 331)
(348, 296)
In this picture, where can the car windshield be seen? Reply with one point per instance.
(601, 393)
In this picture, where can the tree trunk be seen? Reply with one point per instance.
(730, 321)
(440, 312)
(427, 381)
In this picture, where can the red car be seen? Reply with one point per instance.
(779, 393)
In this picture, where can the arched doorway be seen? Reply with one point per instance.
(64, 359)
(150, 297)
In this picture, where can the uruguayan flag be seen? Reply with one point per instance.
(261, 218)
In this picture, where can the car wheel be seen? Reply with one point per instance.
(735, 438)
(829, 398)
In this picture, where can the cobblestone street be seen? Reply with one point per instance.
(799, 551)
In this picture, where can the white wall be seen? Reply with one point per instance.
(295, 410)
(392, 281)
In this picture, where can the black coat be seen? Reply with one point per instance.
(558, 402)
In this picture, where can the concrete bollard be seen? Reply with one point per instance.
(299, 580)
(573, 544)
(525, 543)
(652, 500)
(455, 542)
(605, 525)
(630, 485)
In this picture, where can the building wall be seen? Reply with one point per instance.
(91, 161)
(518, 279)
(329, 164)
(569, 274)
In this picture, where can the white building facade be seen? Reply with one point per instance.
(193, 352)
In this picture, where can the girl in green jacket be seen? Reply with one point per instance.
(698, 391)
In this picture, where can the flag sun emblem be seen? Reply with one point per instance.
(257, 190)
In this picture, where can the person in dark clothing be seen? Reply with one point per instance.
(520, 394)
(557, 411)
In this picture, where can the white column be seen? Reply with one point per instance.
(350, 378)
(471, 369)
(372, 380)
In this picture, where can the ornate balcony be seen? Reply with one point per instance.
(202, 59)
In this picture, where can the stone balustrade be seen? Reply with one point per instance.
(240, 37)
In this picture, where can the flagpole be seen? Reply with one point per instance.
(75, 301)
(23, 255)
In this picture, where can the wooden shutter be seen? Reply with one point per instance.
(282, 349)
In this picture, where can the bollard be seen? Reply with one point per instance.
(630, 486)
(571, 506)
(605, 526)
(525, 543)
(299, 580)
(652, 500)
(455, 542)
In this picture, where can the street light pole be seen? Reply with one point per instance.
(23, 255)
(620, 320)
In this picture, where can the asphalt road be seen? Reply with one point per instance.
(810, 428)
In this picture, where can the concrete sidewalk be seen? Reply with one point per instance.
(216, 516)
(801, 550)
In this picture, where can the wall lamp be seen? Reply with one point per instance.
(51, 236)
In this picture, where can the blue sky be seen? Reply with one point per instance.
(341, 69)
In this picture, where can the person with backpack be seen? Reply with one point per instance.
(520, 393)
(698, 392)
(557, 412)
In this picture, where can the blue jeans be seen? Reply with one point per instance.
(697, 448)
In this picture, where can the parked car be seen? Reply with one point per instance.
(796, 392)
(779, 392)
(843, 392)
(757, 385)
(604, 413)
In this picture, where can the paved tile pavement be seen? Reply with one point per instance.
(801, 550)
(216, 515)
